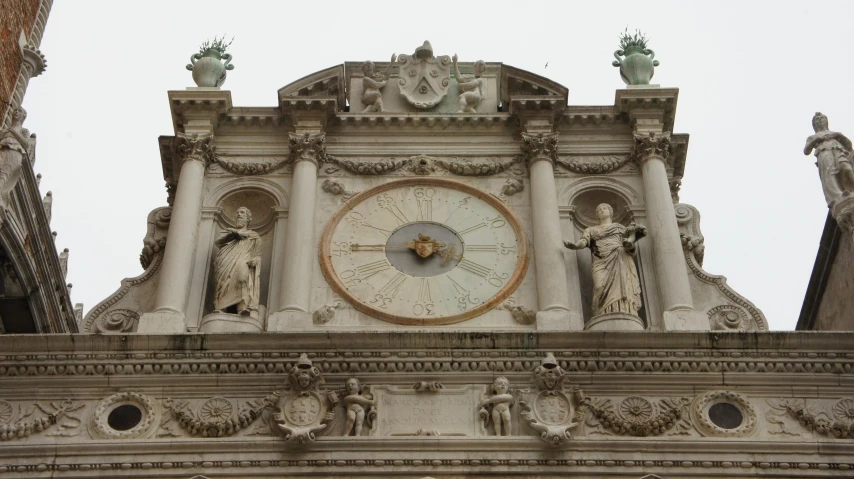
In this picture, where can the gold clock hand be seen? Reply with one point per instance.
(376, 247)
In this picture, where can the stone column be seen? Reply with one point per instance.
(540, 151)
(651, 151)
(307, 151)
(173, 285)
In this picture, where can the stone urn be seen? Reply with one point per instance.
(209, 67)
(637, 65)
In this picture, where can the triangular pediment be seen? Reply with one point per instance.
(328, 83)
(518, 82)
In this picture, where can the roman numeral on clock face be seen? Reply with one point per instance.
(487, 248)
(391, 288)
(472, 228)
(370, 269)
(474, 268)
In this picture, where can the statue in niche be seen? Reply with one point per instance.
(833, 153)
(15, 145)
(357, 405)
(372, 84)
(237, 268)
(616, 288)
(471, 87)
(500, 402)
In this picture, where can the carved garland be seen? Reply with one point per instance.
(841, 427)
(216, 418)
(259, 168)
(368, 167)
(607, 165)
(463, 168)
(634, 417)
(24, 429)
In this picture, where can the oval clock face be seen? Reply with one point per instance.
(424, 251)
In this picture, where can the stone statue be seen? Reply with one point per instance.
(237, 268)
(372, 83)
(357, 405)
(833, 153)
(616, 288)
(501, 401)
(15, 145)
(471, 87)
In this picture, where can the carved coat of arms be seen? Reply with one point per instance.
(306, 408)
(424, 78)
(552, 408)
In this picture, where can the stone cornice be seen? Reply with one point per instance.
(202, 103)
(645, 101)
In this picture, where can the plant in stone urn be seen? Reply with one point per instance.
(209, 66)
(638, 63)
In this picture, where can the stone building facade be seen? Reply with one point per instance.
(425, 268)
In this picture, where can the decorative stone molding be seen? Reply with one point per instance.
(196, 147)
(357, 167)
(738, 405)
(597, 165)
(539, 147)
(34, 60)
(47, 203)
(117, 321)
(422, 164)
(651, 145)
(217, 417)
(326, 313)
(724, 300)
(553, 410)
(335, 188)
(54, 413)
(835, 419)
(306, 408)
(307, 147)
(428, 386)
(521, 314)
(637, 416)
(729, 317)
(146, 425)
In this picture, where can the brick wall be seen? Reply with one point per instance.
(15, 16)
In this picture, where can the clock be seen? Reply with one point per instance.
(424, 252)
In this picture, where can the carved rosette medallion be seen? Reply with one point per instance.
(539, 147)
(306, 408)
(216, 410)
(651, 145)
(424, 78)
(635, 409)
(843, 411)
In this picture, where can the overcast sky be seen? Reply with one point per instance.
(751, 75)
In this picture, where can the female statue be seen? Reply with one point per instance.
(372, 83)
(237, 268)
(15, 145)
(471, 87)
(616, 288)
(833, 155)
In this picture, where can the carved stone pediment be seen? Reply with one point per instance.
(328, 83)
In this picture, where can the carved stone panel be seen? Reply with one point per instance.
(445, 412)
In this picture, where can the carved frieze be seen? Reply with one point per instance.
(826, 418)
(55, 418)
(215, 417)
(638, 416)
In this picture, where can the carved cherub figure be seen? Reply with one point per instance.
(372, 83)
(471, 87)
(357, 405)
(15, 145)
(500, 401)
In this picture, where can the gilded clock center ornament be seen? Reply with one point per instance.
(424, 251)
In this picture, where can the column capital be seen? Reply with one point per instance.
(307, 147)
(195, 147)
(34, 59)
(651, 145)
(540, 146)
